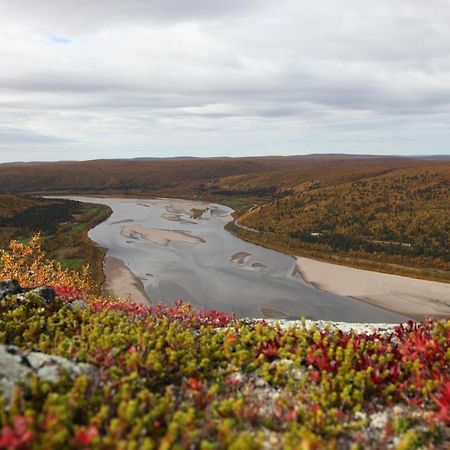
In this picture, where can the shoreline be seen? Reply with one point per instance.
(409, 296)
(122, 282)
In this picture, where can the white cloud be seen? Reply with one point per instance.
(155, 78)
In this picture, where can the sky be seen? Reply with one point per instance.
(88, 79)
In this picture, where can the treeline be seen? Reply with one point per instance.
(21, 216)
(43, 217)
(132, 176)
(346, 243)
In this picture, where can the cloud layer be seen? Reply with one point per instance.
(109, 78)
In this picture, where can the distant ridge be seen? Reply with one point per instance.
(317, 156)
(151, 158)
(433, 157)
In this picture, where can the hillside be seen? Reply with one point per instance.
(63, 225)
(399, 217)
(130, 176)
(81, 371)
(184, 177)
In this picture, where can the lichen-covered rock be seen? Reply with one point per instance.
(80, 304)
(16, 366)
(9, 287)
(43, 296)
(46, 292)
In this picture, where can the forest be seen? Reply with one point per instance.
(401, 217)
(192, 177)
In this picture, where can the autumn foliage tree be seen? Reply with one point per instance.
(29, 265)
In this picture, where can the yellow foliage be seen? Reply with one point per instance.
(29, 265)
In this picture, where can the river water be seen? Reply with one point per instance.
(219, 271)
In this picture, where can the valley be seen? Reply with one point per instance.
(224, 225)
(387, 214)
(156, 246)
(380, 214)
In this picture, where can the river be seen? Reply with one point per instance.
(197, 260)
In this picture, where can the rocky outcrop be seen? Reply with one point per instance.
(17, 366)
(12, 287)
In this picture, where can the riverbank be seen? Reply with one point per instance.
(409, 296)
(413, 297)
(121, 282)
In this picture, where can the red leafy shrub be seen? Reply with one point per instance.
(195, 384)
(84, 437)
(411, 359)
(67, 293)
(269, 350)
(17, 436)
(180, 311)
(442, 399)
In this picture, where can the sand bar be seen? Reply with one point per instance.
(258, 266)
(158, 236)
(412, 297)
(240, 257)
(122, 221)
(121, 282)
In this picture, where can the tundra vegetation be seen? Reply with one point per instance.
(177, 377)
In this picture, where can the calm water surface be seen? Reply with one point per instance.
(205, 274)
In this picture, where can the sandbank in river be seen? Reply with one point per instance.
(410, 296)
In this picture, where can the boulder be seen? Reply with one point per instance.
(12, 287)
(9, 287)
(17, 366)
(77, 304)
(46, 292)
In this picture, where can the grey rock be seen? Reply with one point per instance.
(345, 327)
(17, 366)
(12, 287)
(259, 382)
(77, 304)
(46, 292)
(9, 287)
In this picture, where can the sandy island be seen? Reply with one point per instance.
(412, 297)
(158, 236)
(122, 221)
(258, 266)
(240, 257)
(120, 281)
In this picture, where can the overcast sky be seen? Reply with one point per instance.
(84, 79)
